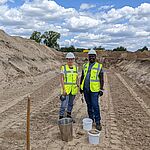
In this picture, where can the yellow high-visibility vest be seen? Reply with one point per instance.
(70, 79)
(94, 76)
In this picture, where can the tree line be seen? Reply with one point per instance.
(50, 39)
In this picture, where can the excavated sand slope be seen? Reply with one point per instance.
(23, 57)
(24, 65)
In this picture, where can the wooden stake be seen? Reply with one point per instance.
(28, 124)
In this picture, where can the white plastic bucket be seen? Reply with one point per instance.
(94, 136)
(87, 124)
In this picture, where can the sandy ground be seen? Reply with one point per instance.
(31, 69)
(125, 119)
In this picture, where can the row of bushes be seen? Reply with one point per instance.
(49, 38)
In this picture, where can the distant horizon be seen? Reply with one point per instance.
(83, 24)
(76, 46)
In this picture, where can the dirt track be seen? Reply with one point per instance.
(125, 119)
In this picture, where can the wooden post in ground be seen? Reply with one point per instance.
(28, 125)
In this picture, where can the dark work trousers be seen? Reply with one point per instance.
(92, 99)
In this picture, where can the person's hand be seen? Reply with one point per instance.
(64, 92)
(100, 93)
(81, 91)
(62, 97)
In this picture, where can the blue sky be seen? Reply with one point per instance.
(117, 3)
(76, 3)
(86, 23)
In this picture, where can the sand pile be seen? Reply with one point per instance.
(25, 64)
(22, 57)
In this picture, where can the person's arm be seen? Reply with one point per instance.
(77, 82)
(101, 76)
(62, 82)
(82, 77)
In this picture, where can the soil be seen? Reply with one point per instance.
(31, 69)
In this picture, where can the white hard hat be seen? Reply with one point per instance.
(70, 55)
(92, 52)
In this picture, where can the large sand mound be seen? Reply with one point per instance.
(24, 57)
(24, 65)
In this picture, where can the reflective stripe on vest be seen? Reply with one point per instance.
(69, 83)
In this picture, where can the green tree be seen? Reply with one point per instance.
(121, 48)
(79, 49)
(68, 49)
(99, 48)
(71, 48)
(143, 49)
(36, 36)
(50, 39)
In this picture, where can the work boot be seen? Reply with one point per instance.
(60, 117)
(69, 116)
(99, 126)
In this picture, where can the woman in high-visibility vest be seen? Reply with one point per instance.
(69, 88)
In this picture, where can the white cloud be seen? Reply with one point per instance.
(46, 10)
(85, 6)
(13, 15)
(3, 9)
(82, 23)
(142, 34)
(61, 30)
(107, 26)
(69, 42)
(121, 30)
(106, 7)
(35, 15)
(143, 9)
(92, 37)
(5, 1)
(141, 17)
(118, 14)
(127, 13)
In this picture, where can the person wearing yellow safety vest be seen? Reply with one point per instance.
(91, 84)
(69, 88)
